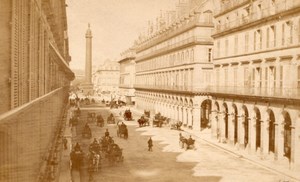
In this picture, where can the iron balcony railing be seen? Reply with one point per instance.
(229, 5)
(285, 93)
(257, 15)
(193, 39)
(168, 34)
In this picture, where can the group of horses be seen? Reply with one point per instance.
(105, 148)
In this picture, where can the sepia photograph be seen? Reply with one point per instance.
(149, 90)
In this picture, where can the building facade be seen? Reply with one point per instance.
(35, 78)
(174, 62)
(106, 78)
(256, 95)
(127, 76)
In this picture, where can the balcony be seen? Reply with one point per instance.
(283, 93)
(230, 4)
(277, 8)
(191, 40)
(173, 32)
(280, 93)
(170, 88)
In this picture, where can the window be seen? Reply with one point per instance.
(281, 77)
(299, 30)
(226, 47)
(217, 77)
(225, 76)
(283, 34)
(246, 41)
(266, 77)
(235, 76)
(290, 31)
(298, 82)
(192, 55)
(268, 37)
(253, 78)
(273, 35)
(255, 40)
(209, 55)
(236, 42)
(218, 46)
(247, 77)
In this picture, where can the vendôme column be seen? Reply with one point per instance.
(87, 86)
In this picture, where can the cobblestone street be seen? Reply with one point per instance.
(167, 162)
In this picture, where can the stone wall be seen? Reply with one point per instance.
(27, 134)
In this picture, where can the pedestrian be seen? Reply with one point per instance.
(150, 144)
(65, 142)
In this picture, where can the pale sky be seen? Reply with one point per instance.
(115, 24)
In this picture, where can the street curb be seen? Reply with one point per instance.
(242, 157)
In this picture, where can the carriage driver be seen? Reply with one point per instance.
(106, 133)
(190, 140)
(77, 147)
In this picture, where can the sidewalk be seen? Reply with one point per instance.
(65, 170)
(268, 164)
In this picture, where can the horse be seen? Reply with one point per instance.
(186, 142)
(100, 121)
(122, 130)
(94, 161)
(143, 121)
(176, 125)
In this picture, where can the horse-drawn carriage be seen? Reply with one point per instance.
(105, 141)
(143, 121)
(111, 150)
(159, 120)
(127, 115)
(113, 104)
(176, 125)
(114, 154)
(94, 157)
(77, 112)
(87, 132)
(111, 119)
(76, 157)
(91, 117)
(122, 131)
(100, 120)
(147, 113)
(187, 143)
(73, 121)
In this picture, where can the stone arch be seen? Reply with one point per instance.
(225, 112)
(287, 134)
(257, 125)
(245, 122)
(235, 123)
(271, 130)
(205, 114)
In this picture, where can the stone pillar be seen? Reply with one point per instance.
(180, 113)
(241, 132)
(213, 124)
(265, 138)
(252, 132)
(88, 60)
(184, 113)
(222, 126)
(196, 118)
(279, 139)
(231, 119)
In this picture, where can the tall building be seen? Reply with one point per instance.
(174, 63)
(106, 78)
(256, 97)
(127, 76)
(35, 78)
